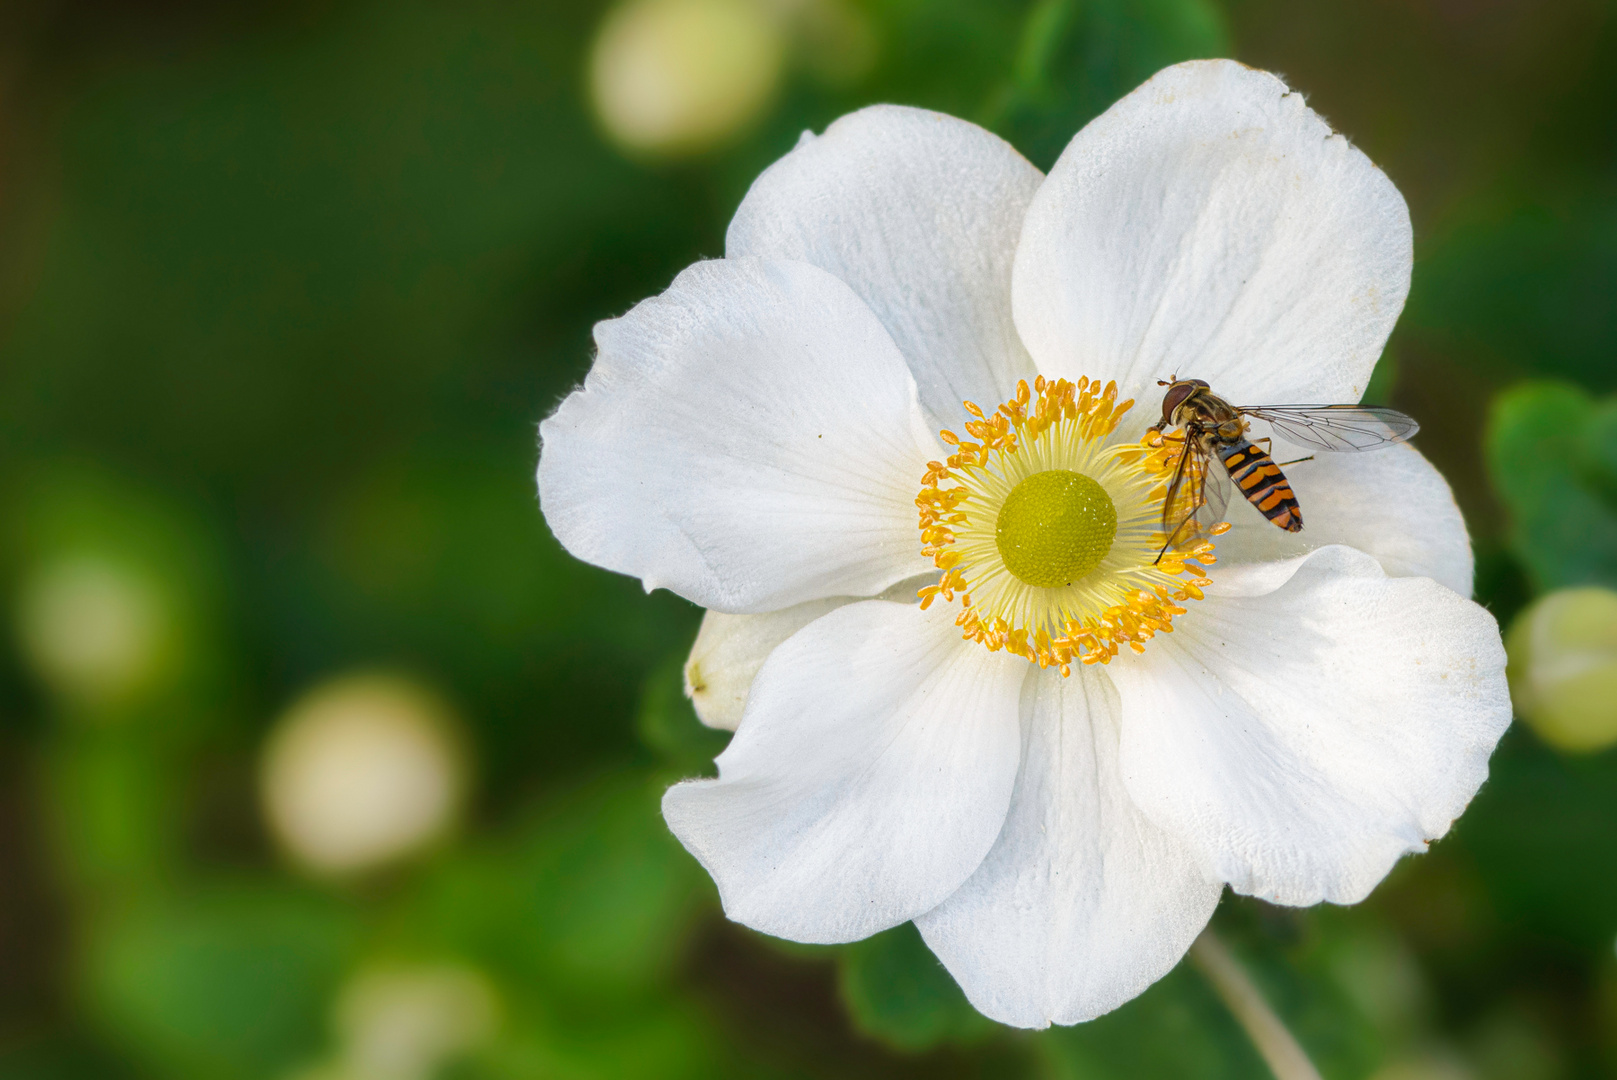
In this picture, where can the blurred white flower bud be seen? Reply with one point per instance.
(405, 1023)
(94, 630)
(1563, 668)
(360, 771)
(730, 649)
(674, 76)
(1433, 1064)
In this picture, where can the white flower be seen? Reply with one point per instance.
(755, 439)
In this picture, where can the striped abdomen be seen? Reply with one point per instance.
(1258, 478)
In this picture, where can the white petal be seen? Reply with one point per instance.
(920, 213)
(1390, 503)
(1210, 225)
(867, 780)
(1082, 903)
(730, 649)
(749, 439)
(1311, 721)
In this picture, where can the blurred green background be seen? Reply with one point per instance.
(319, 759)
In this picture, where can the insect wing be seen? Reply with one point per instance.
(1215, 494)
(1338, 428)
(1199, 491)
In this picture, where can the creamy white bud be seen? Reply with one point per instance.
(1436, 1064)
(675, 76)
(407, 1022)
(361, 771)
(730, 649)
(1563, 668)
(95, 631)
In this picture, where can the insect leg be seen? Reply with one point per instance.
(1268, 448)
(1187, 520)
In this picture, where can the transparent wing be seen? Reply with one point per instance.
(1339, 428)
(1197, 496)
(1215, 494)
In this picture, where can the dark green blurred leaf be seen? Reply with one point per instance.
(898, 992)
(1541, 834)
(1501, 583)
(1552, 457)
(113, 808)
(668, 725)
(301, 246)
(1177, 1028)
(447, 550)
(1180, 1028)
(612, 892)
(942, 54)
(234, 983)
(1294, 959)
(1537, 289)
(591, 899)
(1383, 380)
(76, 1057)
(1076, 57)
(444, 558)
(670, 1040)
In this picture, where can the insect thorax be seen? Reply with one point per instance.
(1210, 418)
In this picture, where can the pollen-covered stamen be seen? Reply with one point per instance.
(1050, 534)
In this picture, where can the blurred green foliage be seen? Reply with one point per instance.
(897, 991)
(1552, 453)
(283, 292)
(234, 982)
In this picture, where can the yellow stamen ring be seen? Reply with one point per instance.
(1049, 532)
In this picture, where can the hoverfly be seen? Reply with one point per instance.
(1213, 427)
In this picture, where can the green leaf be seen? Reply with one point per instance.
(662, 1040)
(592, 899)
(1294, 958)
(60, 1056)
(1383, 380)
(1176, 1030)
(230, 984)
(667, 723)
(1076, 57)
(1540, 832)
(898, 992)
(1180, 1028)
(941, 54)
(113, 811)
(1532, 288)
(1552, 456)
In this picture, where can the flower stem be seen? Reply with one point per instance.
(1275, 1044)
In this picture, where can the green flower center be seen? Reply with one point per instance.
(1055, 527)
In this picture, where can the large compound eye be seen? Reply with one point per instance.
(1175, 397)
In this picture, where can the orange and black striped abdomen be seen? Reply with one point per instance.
(1258, 478)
